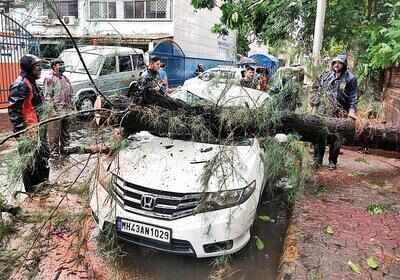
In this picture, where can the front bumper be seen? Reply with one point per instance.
(189, 234)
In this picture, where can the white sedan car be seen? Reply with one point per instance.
(183, 197)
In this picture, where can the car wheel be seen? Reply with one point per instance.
(86, 103)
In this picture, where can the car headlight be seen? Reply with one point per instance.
(225, 199)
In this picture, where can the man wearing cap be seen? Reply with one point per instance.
(26, 109)
(248, 80)
(335, 95)
(58, 91)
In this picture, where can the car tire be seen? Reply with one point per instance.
(86, 103)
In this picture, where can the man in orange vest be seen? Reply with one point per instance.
(26, 109)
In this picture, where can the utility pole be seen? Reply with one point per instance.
(319, 30)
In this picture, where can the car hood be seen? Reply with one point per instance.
(77, 77)
(72, 76)
(225, 95)
(181, 166)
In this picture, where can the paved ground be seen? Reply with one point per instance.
(331, 226)
(5, 125)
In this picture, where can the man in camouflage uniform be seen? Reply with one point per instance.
(150, 84)
(335, 95)
(248, 81)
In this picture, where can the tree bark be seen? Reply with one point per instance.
(310, 128)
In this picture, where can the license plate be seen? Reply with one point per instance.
(144, 230)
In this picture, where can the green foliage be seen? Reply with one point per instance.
(376, 209)
(17, 161)
(385, 48)
(286, 160)
(8, 262)
(259, 243)
(349, 25)
(372, 263)
(107, 244)
(6, 230)
(354, 267)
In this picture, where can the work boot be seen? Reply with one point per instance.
(331, 165)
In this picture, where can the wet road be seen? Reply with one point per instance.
(5, 125)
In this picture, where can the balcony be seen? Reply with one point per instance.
(130, 10)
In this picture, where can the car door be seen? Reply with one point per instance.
(109, 83)
(126, 73)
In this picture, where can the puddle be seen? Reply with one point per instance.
(248, 264)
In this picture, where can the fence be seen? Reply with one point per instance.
(15, 42)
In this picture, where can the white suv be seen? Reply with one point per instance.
(183, 197)
(114, 69)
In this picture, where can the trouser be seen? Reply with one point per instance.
(59, 135)
(335, 142)
(34, 158)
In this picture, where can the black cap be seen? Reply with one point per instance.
(28, 61)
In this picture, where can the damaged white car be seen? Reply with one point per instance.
(184, 197)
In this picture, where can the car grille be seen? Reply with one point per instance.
(176, 246)
(167, 205)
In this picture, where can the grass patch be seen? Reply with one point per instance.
(322, 189)
(376, 209)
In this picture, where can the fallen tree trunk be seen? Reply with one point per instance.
(367, 134)
(166, 116)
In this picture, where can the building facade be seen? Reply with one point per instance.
(135, 23)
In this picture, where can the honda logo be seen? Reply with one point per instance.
(148, 202)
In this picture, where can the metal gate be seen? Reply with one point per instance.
(15, 41)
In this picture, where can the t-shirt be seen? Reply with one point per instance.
(163, 74)
(248, 84)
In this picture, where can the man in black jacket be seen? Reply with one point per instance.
(25, 109)
(335, 95)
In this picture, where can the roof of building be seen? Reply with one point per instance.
(107, 50)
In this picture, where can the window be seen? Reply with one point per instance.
(128, 9)
(108, 66)
(156, 9)
(139, 9)
(138, 61)
(125, 64)
(146, 9)
(64, 8)
(103, 9)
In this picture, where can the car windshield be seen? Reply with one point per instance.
(74, 64)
